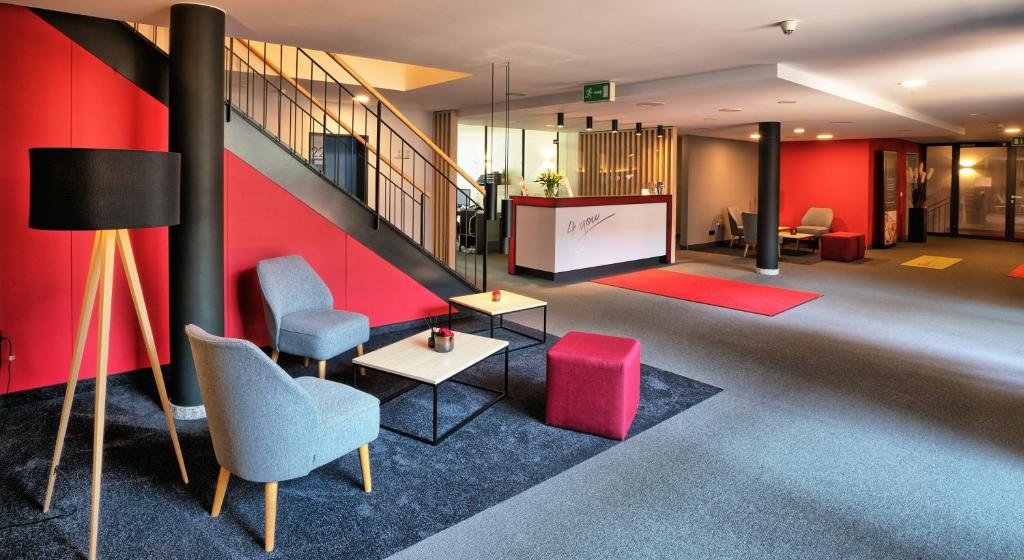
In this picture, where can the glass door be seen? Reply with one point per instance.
(983, 193)
(1016, 216)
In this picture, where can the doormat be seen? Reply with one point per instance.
(931, 261)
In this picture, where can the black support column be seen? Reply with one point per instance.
(196, 126)
(768, 198)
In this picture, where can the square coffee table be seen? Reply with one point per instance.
(798, 237)
(510, 303)
(412, 359)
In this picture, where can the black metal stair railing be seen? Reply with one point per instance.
(348, 136)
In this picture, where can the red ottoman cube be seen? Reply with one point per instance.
(842, 246)
(593, 384)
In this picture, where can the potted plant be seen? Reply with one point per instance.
(917, 228)
(550, 181)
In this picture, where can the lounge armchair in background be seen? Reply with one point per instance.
(749, 232)
(817, 222)
(735, 223)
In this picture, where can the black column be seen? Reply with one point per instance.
(768, 198)
(197, 133)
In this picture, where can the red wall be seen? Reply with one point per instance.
(263, 220)
(834, 174)
(70, 98)
(60, 95)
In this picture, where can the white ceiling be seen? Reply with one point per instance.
(843, 63)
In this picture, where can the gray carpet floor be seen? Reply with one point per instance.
(884, 420)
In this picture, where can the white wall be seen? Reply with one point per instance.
(714, 174)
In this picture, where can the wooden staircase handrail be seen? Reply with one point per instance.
(332, 114)
(426, 140)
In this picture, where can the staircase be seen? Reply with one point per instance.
(310, 122)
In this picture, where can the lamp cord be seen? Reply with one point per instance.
(3, 425)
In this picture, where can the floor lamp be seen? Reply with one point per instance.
(109, 192)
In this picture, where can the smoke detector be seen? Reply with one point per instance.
(788, 26)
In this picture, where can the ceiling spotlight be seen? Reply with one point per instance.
(913, 83)
(840, 122)
(661, 131)
(361, 98)
(639, 129)
(561, 120)
(755, 136)
(785, 102)
(825, 136)
(590, 124)
(798, 130)
(1012, 130)
(650, 104)
(788, 26)
(730, 110)
(615, 125)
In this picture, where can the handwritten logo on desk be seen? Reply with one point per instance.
(583, 227)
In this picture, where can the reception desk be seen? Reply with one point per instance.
(553, 237)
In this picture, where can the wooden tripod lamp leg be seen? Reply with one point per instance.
(102, 351)
(88, 302)
(131, 272)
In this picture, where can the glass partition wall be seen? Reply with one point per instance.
(976, 190)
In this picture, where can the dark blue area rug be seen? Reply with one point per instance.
(418, 489)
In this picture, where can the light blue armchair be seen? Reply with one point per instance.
(267, 427)
(300, 313)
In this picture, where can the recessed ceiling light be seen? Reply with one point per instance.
(730, 110)
(361, 98)
(798, 130)
(755, 136)
(516, 94)
(1013, 130)
(914, 83)
(785, 102)
(972, 114)
(825, 136)
(840, 122)
(710, 119)
(550, 125)
(650, 104)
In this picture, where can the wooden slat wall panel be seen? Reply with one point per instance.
(445, 135)
(616, 164)
(623, 163)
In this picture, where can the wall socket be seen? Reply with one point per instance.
(711, 232)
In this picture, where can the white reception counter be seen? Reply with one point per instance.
(555, 236)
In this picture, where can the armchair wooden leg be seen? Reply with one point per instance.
(323, 369)
(218, 495)
(364, 462)
(275, 355)
(359, 352)
(270, 515)
(746, 247)
(305, 362)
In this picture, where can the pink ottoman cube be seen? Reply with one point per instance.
(593, 384)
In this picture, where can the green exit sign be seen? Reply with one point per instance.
(1018, 140)
(601, 91)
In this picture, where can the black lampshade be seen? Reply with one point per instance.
(615, 125)
(661, 131)
(639, 129)
(590, 123)
(92, 189)
(561, 120)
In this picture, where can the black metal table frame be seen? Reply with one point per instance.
(501, 325)
(796, 252)
(435, 440)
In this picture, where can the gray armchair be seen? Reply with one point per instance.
(749, 232)
(735, 223)
(817, 222)
(267, 427)
(300, 313)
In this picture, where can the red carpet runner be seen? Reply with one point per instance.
(1017, 272)
(752, 298)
